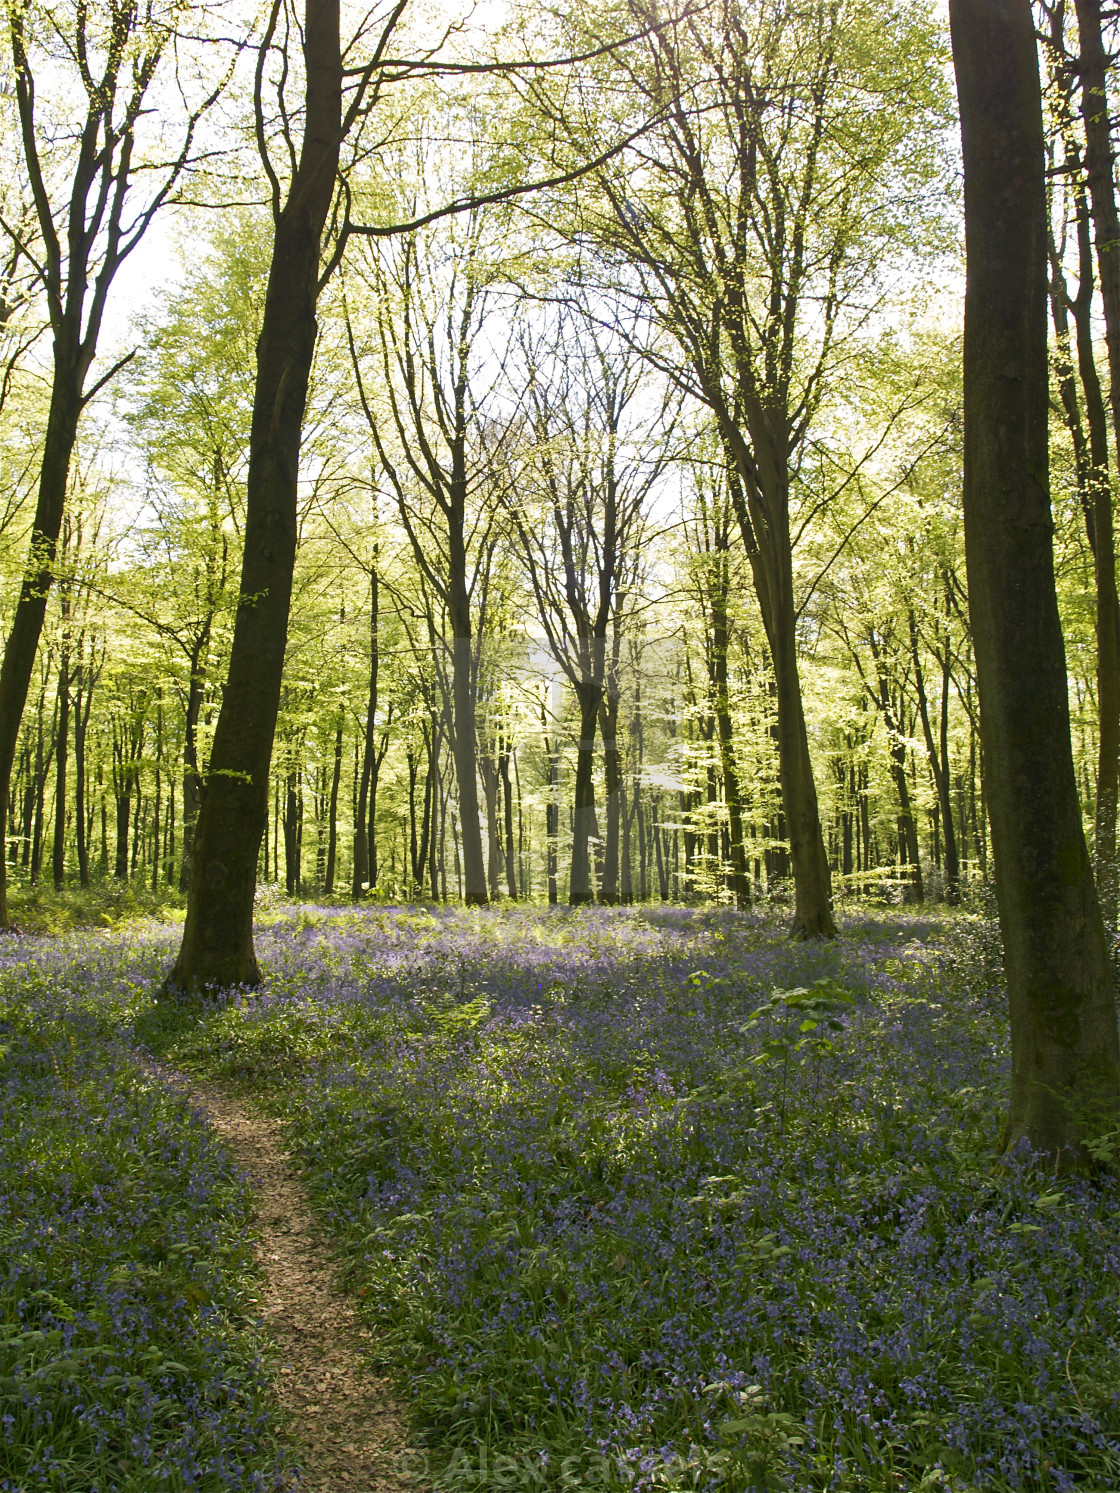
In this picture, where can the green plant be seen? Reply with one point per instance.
(804, 1021)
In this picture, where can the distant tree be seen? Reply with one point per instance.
(755, 220)
(1065, 1078)
(83, 79)
(440, 444)
(581, 517)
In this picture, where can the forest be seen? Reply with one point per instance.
(559, 746)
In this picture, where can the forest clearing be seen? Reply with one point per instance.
(599, 1228)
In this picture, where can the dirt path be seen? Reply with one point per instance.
(351, 1434)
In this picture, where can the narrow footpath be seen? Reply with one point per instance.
(351, 1436)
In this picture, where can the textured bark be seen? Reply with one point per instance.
(217, 947)
(62, 715)
(511, 858)
(612, 792)
(721, 706)
(86, 680)
(1106, 225)
(551, 808)
(1065, 1080)
(332, 814)
(580, 889)
(760, 494)
(362, 876)
(938, 760)
(192, 778)
(31, 607)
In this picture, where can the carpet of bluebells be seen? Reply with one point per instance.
(619, 1212)
(129, 1362)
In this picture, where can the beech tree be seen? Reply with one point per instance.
(95, 195)
(753, 221)
(217, 946)
(580, 513)
(1065, 1080)
(441, 450)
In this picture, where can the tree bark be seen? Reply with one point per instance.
(192, 778)
(332, 813)
(760, 495)
(507, 811)
(1065, 1079)
(1106, 224)
(612, 792)
(58, 855)
(86, 680)
(362, 839)
(217, 947)
(464, 745)
(580, 890)
(721, 705)
(938, 760)
(551, 808)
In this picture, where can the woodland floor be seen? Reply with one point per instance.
(348, 1432)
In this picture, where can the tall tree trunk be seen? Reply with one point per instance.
(124, 819)
(489, 775)
(292, 830)
(612, 788)
(721, 704)
(760, 495)
(157, 804)
(217, 947)
(465, 744)
(192, 777)
(27, 624)
(362, 877)
(551, 808)
(81, 726)
(580, 889)
(1065, 1055)
(58, 856)
(938, 760)
(507, 813)
(332, 813)
(1106, 224)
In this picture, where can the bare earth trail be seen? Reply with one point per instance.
(351, 1433)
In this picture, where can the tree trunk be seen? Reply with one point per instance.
(489, 775)
(27, 624)
(124, 819)
(217, 947)
(1065, 1078)
(507, 811)
(938, 761)
(332, 813)
(551, 809)
(721, 704)
(464, 746)
(762, 508)
(292, 816)
(812, 883)
(580, 889)
(361, 871)
(1106, 223)
(612, 787)
(58, 857)
(81, 726)
(192, 778)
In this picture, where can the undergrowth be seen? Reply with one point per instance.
(659, 1200)
(129, 1359)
